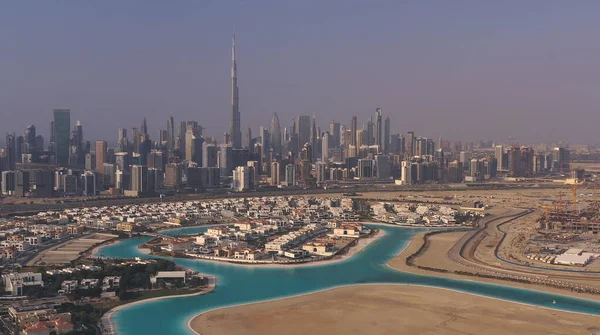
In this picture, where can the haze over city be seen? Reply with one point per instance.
(463, 70)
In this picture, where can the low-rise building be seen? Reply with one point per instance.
(296, 253)
(110, 282)
(17, 284)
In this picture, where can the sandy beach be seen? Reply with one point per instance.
(390, 309)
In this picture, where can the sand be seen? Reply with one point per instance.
(436, 257)
(390, 309)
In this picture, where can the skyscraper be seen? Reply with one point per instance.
(386, 135)
(303, 130)
(353, 130)
(170, 133)
(334, 134)
(234, 123)
(100, 155)
(378, 128)
(30, 138)
(144, 128)
(275, 130)
(325, 146)
(62, 132)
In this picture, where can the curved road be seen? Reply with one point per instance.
(463, 253)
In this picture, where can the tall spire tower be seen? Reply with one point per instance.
(235, 132)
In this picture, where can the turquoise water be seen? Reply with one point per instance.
(238, 284)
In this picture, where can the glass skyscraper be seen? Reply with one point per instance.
(62, 131)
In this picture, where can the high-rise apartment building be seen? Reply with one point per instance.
(101, 148)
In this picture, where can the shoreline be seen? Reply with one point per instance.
(399, 254)
(360, 246)
(109, 314)
(403, 267)
(351, 252)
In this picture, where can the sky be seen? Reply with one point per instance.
(463, 70)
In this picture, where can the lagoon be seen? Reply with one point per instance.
(239, 284)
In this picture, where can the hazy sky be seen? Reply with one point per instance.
(465, 70)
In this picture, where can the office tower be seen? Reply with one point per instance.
(156, 160)
(325, 147)
(108, 172)
(365, 168)
(62, 131)
(307, 153)
(30, 137)
(181, 135)
(527, 155)
(242, 178)
(122, 141)
(322, 172)
(369, 132)
(430, 147)
(11, 151)
(144, 128)
(79, 133)
(248, 139)
(139, 178)
(520, 161)
(162, 137)
(173, 175)
(170, 134)
(8, 182)
(275, 130)
(90, 161)
(361, 138)
(122, 161)
(455, 172)
(420, 147)
(353, 130)
(275, 173)
(303, 130)
(234, 123)
(406, 172)
(290, 175)
(474, 170)
(378, 129)
(386, 135)
(561, 160)
(225, 160)
(191, 133)
(88, 179)
(492, 167)
(499, 153)
(314, 140)
(409, 147)
(39, 142)
(382, 167)
(52, 144)
(155, 179)
(210, 153)
(264, 140)
(334, 134)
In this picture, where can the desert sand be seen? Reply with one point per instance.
(390, 309)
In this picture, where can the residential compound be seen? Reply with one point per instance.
(414, 214)
(276, 229)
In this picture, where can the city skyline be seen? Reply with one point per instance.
(448, 100)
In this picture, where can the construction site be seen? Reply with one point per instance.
(566, 233)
